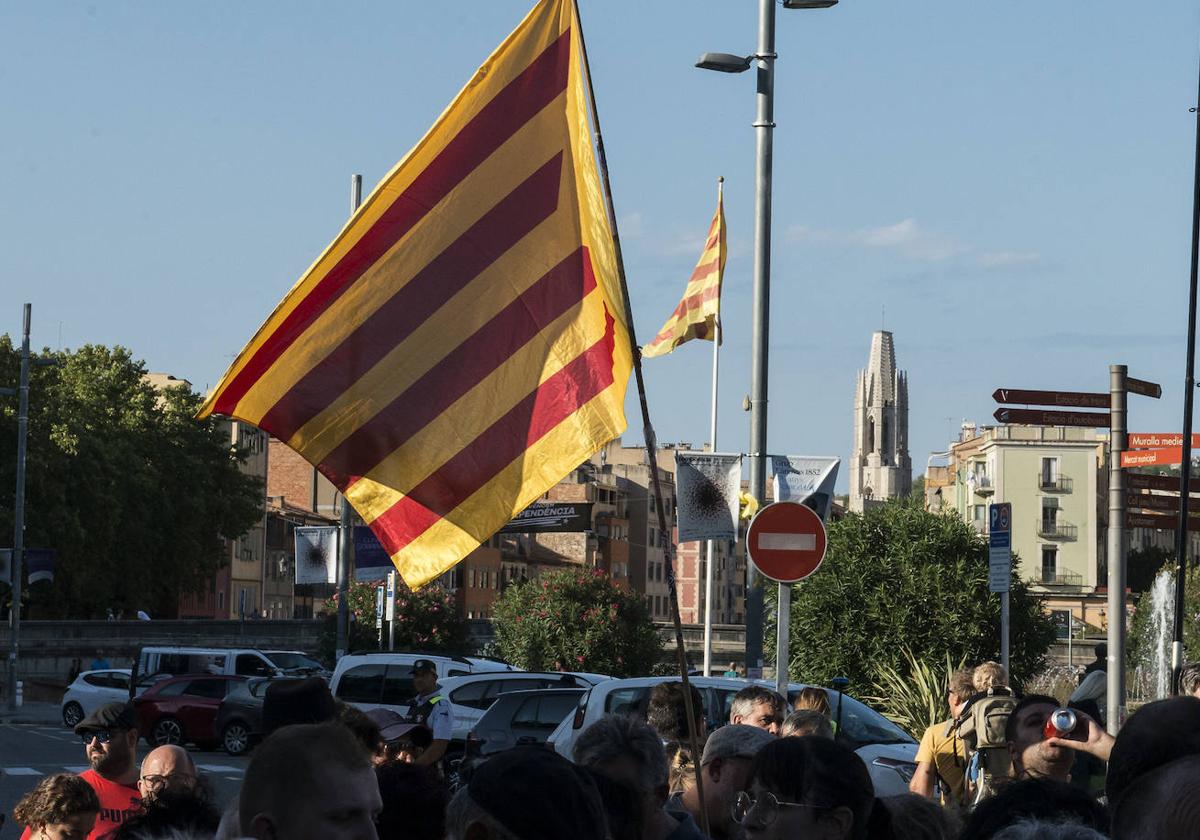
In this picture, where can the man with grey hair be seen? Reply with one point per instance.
(1189, 680)
(504, 800)
(725, 764)
(806, 722)
(630, 752)
(758, 706)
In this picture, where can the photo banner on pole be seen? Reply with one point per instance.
(808, 479)
(316, 554)
(707, 489)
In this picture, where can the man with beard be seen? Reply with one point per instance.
(1036, 756)
(110, 741)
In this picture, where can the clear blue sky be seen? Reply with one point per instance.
(1012, 181)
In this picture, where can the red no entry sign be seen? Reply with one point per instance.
(786, 541)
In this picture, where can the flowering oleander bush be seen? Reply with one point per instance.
(426, 619)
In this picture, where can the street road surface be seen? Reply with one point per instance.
(29, 752)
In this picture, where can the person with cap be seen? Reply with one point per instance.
(399, 741)
(110, 741)
(725, 769)
(291, 701)
(430, 710)
(528, 793)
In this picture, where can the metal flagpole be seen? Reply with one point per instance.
(345, 526)
(648, 429)
(1185, 467)
(18, 552)
(708, 569)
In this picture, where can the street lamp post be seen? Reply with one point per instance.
(764, 124)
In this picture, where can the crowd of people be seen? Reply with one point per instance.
(1000, 766)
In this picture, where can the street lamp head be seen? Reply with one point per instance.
(724, 62)
(808, 4)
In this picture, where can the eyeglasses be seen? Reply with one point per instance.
(102, 736)
(766, 806)
(155, 782)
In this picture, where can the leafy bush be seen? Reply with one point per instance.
(426, 619)
(579, 618)
(914, 698)
(901, 578)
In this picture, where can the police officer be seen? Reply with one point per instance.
(431, 710)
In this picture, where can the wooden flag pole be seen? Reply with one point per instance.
(651, 441)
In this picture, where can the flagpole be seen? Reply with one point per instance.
(708, 568)
(648, 429)
(346, 521)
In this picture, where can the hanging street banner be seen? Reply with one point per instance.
(1167, 483)
(1158, 440)
(316, 554)
(556, 517)
(707, 491)
(808, 479)
(1065, 399)
(1159, 521)
(1142, 387)
(38, 564)
(1152, 457)
(1035, 417)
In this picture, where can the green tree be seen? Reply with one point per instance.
(577, 617)
(1143, 631)
(122, 482)
(901, 578)
(427, 619)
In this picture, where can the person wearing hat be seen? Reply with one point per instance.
(399, 741)
(110, 737)
(725, 765)
(431, 710)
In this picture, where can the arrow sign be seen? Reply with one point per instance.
(1141, 386)
(1036, 417)
(1157, 440)
(1151, 501)
(1159, 521)
(1074, 399)
(1145, 481)
(1151, 457)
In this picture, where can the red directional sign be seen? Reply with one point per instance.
(786, 541)
(1159, 521)
(1160, 501)
(1157, 440)
(1066, 399)
(1037, 417)
(1145, 481)
(1141, 386)
(1152, 457)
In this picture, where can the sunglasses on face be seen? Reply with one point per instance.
(102, 736)
(765, 807)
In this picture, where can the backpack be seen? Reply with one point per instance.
(980, 726)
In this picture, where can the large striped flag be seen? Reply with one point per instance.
(462, 344)
(698, 314)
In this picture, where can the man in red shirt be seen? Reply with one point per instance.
(110, 740)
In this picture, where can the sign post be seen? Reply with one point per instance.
(1115, 668)
(786, 543)
(380, 595)
(1000, 566)
(391, 609)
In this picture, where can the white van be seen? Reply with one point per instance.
(155, 663)
(385, 679)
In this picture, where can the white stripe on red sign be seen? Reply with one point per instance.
(787, 542)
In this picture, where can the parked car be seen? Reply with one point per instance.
(182, 710)
(91, 690)
(888, 751)
(369, 680)
(519, 718)
(238, 724)
(293, 663)
(154, 662)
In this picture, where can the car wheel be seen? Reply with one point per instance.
(167, 731)
(72, 714)
(236, 738)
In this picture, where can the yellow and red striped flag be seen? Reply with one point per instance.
(699, 313)
(462, 344)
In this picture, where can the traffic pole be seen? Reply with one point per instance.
(1118, 399)
(1005, 630)
(18, 554)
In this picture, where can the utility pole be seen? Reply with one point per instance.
(18, 554)
(1118, 400)
(346, 526)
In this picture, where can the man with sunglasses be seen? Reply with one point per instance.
(109, 737)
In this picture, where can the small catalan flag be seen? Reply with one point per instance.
(698, 315)
(462, 345)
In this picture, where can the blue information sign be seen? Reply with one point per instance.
(999, 546)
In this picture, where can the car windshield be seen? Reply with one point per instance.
(286, 659)
(861, 725)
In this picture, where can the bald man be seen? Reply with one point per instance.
(168, 767)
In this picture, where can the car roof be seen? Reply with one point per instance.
(125, 671)
(180, 677)
(451, 683)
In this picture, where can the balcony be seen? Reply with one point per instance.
(1054, 483)
(982, 485)
(1056, 529)
(1056, 578)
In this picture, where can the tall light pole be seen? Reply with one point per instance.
(764, 124)
(18, 552)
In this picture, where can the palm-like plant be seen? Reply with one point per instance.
(917, 699)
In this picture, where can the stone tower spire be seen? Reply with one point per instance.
(880, 467)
